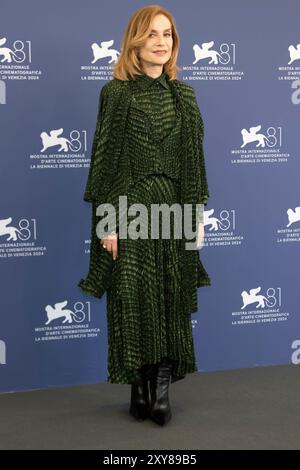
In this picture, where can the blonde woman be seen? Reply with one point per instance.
(148, 147)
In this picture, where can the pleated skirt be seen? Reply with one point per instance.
(145, 314)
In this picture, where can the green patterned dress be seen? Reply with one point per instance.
(144, 302)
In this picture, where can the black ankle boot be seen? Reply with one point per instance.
(140, 403)
(160, 410)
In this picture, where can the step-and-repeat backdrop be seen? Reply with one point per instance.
(243, 59)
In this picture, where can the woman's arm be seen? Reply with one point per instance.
(198, 130)
(100, 161)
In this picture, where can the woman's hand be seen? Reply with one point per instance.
(200, 236)
(111, 243)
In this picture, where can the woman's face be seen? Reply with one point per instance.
(159, 39)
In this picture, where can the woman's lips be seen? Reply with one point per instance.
(160, 52)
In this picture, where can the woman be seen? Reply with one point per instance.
(147, 147)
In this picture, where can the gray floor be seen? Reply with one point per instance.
(241, 409)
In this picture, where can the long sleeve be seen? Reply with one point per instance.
(202, 175)
(101, 176)
(99, 274)
(100, 181)
(99, 147)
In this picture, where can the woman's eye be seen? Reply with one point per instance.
(167, 34)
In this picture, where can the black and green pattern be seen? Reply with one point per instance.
(148, 304)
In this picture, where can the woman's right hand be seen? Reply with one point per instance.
(111, 243)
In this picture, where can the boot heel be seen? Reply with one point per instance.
(160, 411)
(139, 403)
(138, 411)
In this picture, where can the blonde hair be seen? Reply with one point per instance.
(128, 64)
